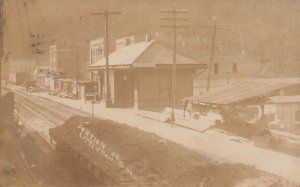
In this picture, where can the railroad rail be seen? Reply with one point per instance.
(39, 115)
(58, 112)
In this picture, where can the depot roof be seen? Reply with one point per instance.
(146, 55)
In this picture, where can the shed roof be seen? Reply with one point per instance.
(243, 90)
(145, 55)
(285, 99)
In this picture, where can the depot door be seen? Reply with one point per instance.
(123, 89)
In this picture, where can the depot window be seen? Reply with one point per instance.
(234, 67)
(216, 68)
(297, 115)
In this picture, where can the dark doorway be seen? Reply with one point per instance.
(123, 89)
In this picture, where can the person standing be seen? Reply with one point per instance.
(185, 104)
(27, 85)
(189, 108)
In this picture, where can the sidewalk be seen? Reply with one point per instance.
(213, 143)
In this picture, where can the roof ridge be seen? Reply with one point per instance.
(148, 46)
(125, 50)
(178, 53)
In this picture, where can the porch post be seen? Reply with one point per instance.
(262, 106)
(135, 90)
(100, 84)
(92, 76)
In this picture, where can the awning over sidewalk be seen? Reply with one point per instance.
(244, 90)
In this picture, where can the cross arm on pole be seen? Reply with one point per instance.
(177, 19)
(212, 27)
(174, 26)
(105, 13)
(174, 11)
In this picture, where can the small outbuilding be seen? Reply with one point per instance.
(286, 112)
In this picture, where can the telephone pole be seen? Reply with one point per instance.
(215, 28)
(211, 56)
(77, 72)
(173, 19)
(1, 43)
(106, 14)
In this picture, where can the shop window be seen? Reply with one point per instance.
(127, 41)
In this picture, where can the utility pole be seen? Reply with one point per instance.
(211, 55)
(215, 28)
(227, 77)
(77, 71)
(1, 43)
(106, 14)
(77, 65)
(174, 19)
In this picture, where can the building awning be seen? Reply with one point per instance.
(41, 75)
(110, 67)
(144, 65)
(87, 82)
(65, 80)
(244, 90)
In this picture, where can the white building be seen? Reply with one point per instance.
(20, 69)
(96, 50)
(125, 41)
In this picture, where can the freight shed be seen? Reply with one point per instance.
(251, 94)
(284, 113)
(140, 75)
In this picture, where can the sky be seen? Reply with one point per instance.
(268, 29)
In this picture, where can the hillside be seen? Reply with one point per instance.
(264, 29)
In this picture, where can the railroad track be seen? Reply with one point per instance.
(39, 115)
(39, 125)
(57, 111)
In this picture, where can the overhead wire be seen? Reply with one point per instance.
(29, 28)
(21, 24)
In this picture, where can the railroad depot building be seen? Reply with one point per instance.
(140, 75)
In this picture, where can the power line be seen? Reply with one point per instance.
(174, 20)
(141, 30)
(21, 24)
(1, 43)
(215, 28)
